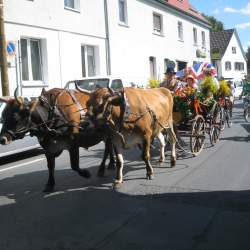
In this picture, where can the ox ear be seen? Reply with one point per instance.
(43, 92)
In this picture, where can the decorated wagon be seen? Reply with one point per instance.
(197, 114)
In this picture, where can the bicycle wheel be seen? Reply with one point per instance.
(228, 118)
(247, 113)
(222, 119)
(214, 126)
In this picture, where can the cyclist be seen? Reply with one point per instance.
(246, 88)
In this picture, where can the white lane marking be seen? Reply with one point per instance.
(21, 165)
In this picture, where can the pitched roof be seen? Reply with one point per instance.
(186, 8)
(220, 40)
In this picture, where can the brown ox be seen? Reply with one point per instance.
(55, 120)
(134, 117)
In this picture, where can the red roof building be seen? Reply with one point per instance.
(186, 7)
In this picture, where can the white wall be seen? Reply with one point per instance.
(238, 57)
(132, 45)
(62, 32)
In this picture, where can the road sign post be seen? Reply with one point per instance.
(3, 56)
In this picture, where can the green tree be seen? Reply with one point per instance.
(216, 24)
(248, 60)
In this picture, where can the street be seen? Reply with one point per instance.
(202, 203)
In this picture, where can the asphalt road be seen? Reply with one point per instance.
(202, 203)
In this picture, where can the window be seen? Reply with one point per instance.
(123, 16)
(180, 31)
(203, 39)
(195, 36)
(157, 23)
(166, 62)
(234, 50)
(239, 66)
(228, 66)
(88, 60)
(31, 60)
(181, 65)
(72, 4)
(152, 65)
(116, 84)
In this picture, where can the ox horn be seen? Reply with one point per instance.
(111, 91)
(4, 99)
(84, 91)
(18, 98)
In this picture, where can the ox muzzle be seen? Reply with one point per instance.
(5, 139)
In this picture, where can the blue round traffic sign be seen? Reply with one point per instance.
(11, 48)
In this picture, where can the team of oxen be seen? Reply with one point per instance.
(68, 119)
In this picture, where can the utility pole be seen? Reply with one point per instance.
(3, 55)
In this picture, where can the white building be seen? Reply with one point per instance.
(228, 55)
(60, 40)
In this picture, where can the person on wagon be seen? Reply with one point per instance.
(191, 82)
(170, 82)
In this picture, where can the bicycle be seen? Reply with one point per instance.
(226, 112)
(246, 107)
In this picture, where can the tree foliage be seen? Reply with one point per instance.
(216, 24)
(248, 60)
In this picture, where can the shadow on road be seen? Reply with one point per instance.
(21, 156)
(86, 214)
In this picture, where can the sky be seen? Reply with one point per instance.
(233, 14)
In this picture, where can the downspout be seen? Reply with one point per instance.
(60, 58)
(107, 42)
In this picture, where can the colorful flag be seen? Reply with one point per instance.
(198, 70)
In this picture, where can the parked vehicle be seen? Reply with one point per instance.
(91, 83)
(18, 146)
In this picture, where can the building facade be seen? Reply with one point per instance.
(228, 55)
(61, 40)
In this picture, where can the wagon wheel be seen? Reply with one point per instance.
(215, 124)
(222, 119)
(197, 138)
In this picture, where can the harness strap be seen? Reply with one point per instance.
(80, 108)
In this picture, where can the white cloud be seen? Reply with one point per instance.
(244, 11)
(230, 10)
(216, 11)
(243, 25)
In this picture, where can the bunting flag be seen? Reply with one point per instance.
(197, 70)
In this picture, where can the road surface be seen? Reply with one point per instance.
(202, 203)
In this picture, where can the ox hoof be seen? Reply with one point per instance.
(173, 163)
(149, 176)
(117, 185)
(161, 160)
(111, 166)
(48, 189)
(84, 173)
